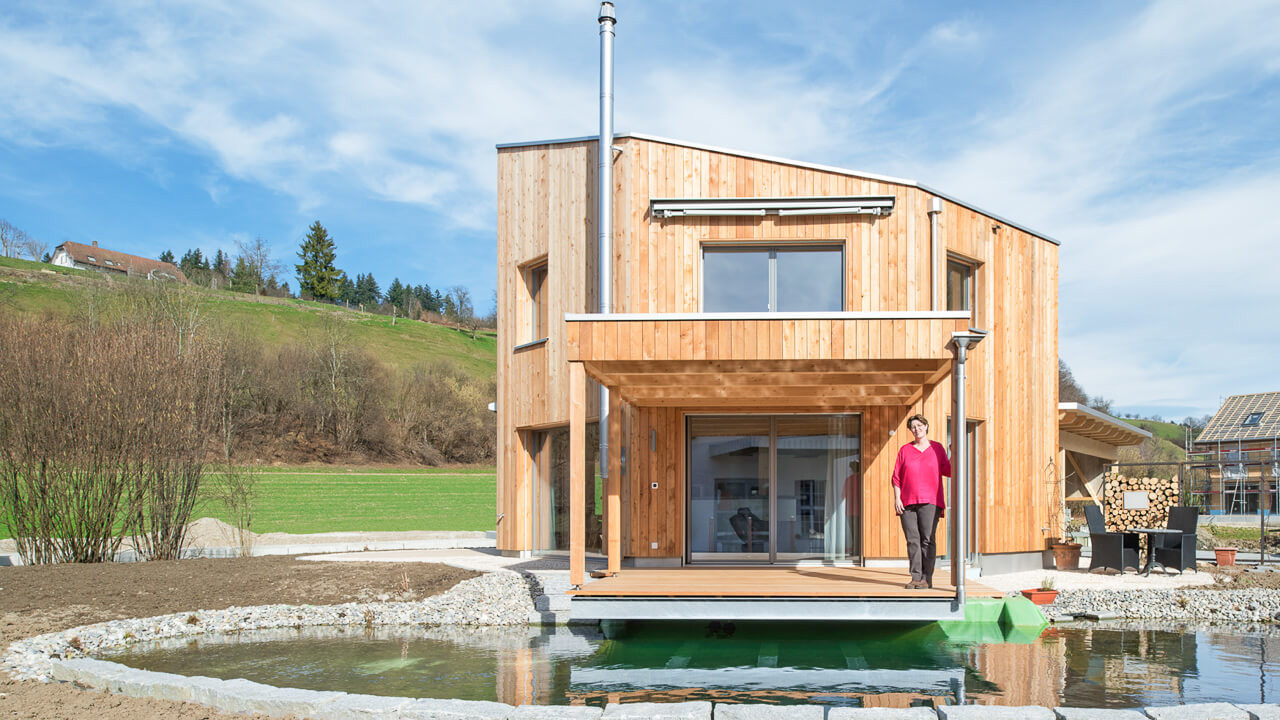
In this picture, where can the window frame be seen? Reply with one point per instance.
(772, 246)
(970, 282)
(1253, 419)
(536, 321)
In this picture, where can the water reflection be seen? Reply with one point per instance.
(1105, 665)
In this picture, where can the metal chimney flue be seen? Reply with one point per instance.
(604, 214)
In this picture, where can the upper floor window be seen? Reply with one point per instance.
(772, 278)
(535, 277)
(959, 285)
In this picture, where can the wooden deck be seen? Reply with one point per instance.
(772, 583)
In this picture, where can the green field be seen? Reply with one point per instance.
(315, 500)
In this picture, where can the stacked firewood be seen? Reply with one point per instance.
(1161, 495)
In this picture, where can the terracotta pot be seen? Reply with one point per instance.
(1040, 597)
(1067, 556)
(1225, 556)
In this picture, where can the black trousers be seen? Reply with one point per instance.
(919, 524)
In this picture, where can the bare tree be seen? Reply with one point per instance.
(256, 255)
(36, 249)
(464, 310)
(8, 238)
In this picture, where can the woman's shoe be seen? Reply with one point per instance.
(914, 585)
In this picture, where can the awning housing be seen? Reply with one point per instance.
(877, 205)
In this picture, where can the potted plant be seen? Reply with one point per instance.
(1066, 554)
(1043, 595)
(1225, 556)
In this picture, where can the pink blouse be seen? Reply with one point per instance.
(918, 474)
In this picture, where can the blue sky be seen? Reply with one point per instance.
(1145, 137)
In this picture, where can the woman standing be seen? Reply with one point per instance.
(918, 498)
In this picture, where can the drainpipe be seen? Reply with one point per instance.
(935, 209)
(604, 215)
(961, 343)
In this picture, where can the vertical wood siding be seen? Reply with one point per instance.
(546, 207)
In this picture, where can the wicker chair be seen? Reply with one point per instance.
(1110, 549)
(1178, 551)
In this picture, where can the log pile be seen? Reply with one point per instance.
(1161, 495)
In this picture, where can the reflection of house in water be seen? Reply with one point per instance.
(1127, 668)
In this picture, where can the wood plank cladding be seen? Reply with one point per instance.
(792, 339)
(546, 212)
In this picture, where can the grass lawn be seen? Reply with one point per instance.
(319, 500)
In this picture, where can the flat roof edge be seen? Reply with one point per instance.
(1104, 417)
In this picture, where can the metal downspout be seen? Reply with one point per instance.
(960, 462)
(935, 208)
(604, 215)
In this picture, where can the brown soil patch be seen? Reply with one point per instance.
(1237, 577)
(41, 599)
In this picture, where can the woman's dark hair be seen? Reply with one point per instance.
(918, 417)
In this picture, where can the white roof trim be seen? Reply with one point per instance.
(897, 315)
(747, 206)
(785, 161)
(1099, 415)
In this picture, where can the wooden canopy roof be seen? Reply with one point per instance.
(1089, 423)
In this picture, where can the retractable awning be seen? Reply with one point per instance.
(746, 207)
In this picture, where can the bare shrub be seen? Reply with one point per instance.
(237, 489)
(441, 415)
(103, 432)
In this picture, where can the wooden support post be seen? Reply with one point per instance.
(577, 474)
(613, 487)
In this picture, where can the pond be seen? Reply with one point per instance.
(1099, 665)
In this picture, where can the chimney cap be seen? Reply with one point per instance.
(95, 243)
(606, 13)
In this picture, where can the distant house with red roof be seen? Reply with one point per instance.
(92, 257)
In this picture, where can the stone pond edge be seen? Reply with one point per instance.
(64, 657)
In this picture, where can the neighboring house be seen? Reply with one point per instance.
(774, 324)
(92, 257)
(1088, 442)
(1239, 454)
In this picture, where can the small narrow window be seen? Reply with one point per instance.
(1252, 420)
(959, 286)
(536, 280)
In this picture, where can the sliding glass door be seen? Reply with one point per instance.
(774, 488)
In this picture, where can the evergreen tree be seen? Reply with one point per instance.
(396, 294)
(167, 256)
(317, 275)
(47, 258)
(244, 278)
(192, 262)
(347, 290)
(367, 291)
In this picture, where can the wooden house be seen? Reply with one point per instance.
(773, 325)
(1238, 456)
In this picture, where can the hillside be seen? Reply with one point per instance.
(1169, 432)
(38, 288)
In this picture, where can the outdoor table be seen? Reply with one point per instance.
(1151, 534)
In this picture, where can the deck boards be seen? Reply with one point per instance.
(772, 582)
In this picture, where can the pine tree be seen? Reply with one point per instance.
(317, 275)
(167, 256)
(347, 290)
(244, 278)
(367, 291)
(396, 294)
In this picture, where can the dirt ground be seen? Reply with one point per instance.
(41, 599)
